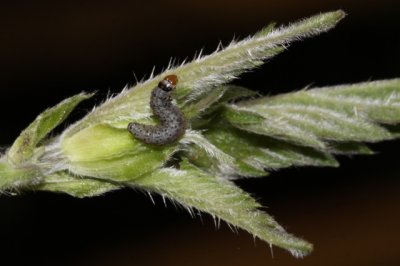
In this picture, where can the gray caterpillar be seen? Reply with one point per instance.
(172, 121)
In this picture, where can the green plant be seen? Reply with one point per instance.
(234, 133)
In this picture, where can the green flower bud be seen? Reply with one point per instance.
(106, 152)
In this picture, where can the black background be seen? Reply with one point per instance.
(50, 50)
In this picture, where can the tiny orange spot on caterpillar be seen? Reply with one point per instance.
(172, 121)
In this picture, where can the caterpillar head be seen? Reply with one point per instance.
(168, 83)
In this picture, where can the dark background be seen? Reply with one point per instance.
(50, 50)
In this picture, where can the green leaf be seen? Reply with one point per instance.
(239, 168)
(266, 30)
(261, 152)
(224, 65)
(347, 113)
(377, 101)
(223, 161)
(350, 148)
(62, 182)
(23, 148)
(203, 74)
(251, 120)
(208, 107)
(234, 93)
(194, 108)
(223, 200)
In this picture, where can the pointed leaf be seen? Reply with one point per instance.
(250, 120)
(223, 200)
(350, 148)
(265, 153)
(62, 182)
(234, 92)
(205, 73)
(347, 113)
(194, 108)
(23, 147)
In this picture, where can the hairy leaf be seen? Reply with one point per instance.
(223, 200)
(23, 147)
(205, 73)
(257, 153)
(347, 113)
(62, 182)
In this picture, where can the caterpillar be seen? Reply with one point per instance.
(172, 121)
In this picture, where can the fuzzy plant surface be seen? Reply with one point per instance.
(232, 133)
